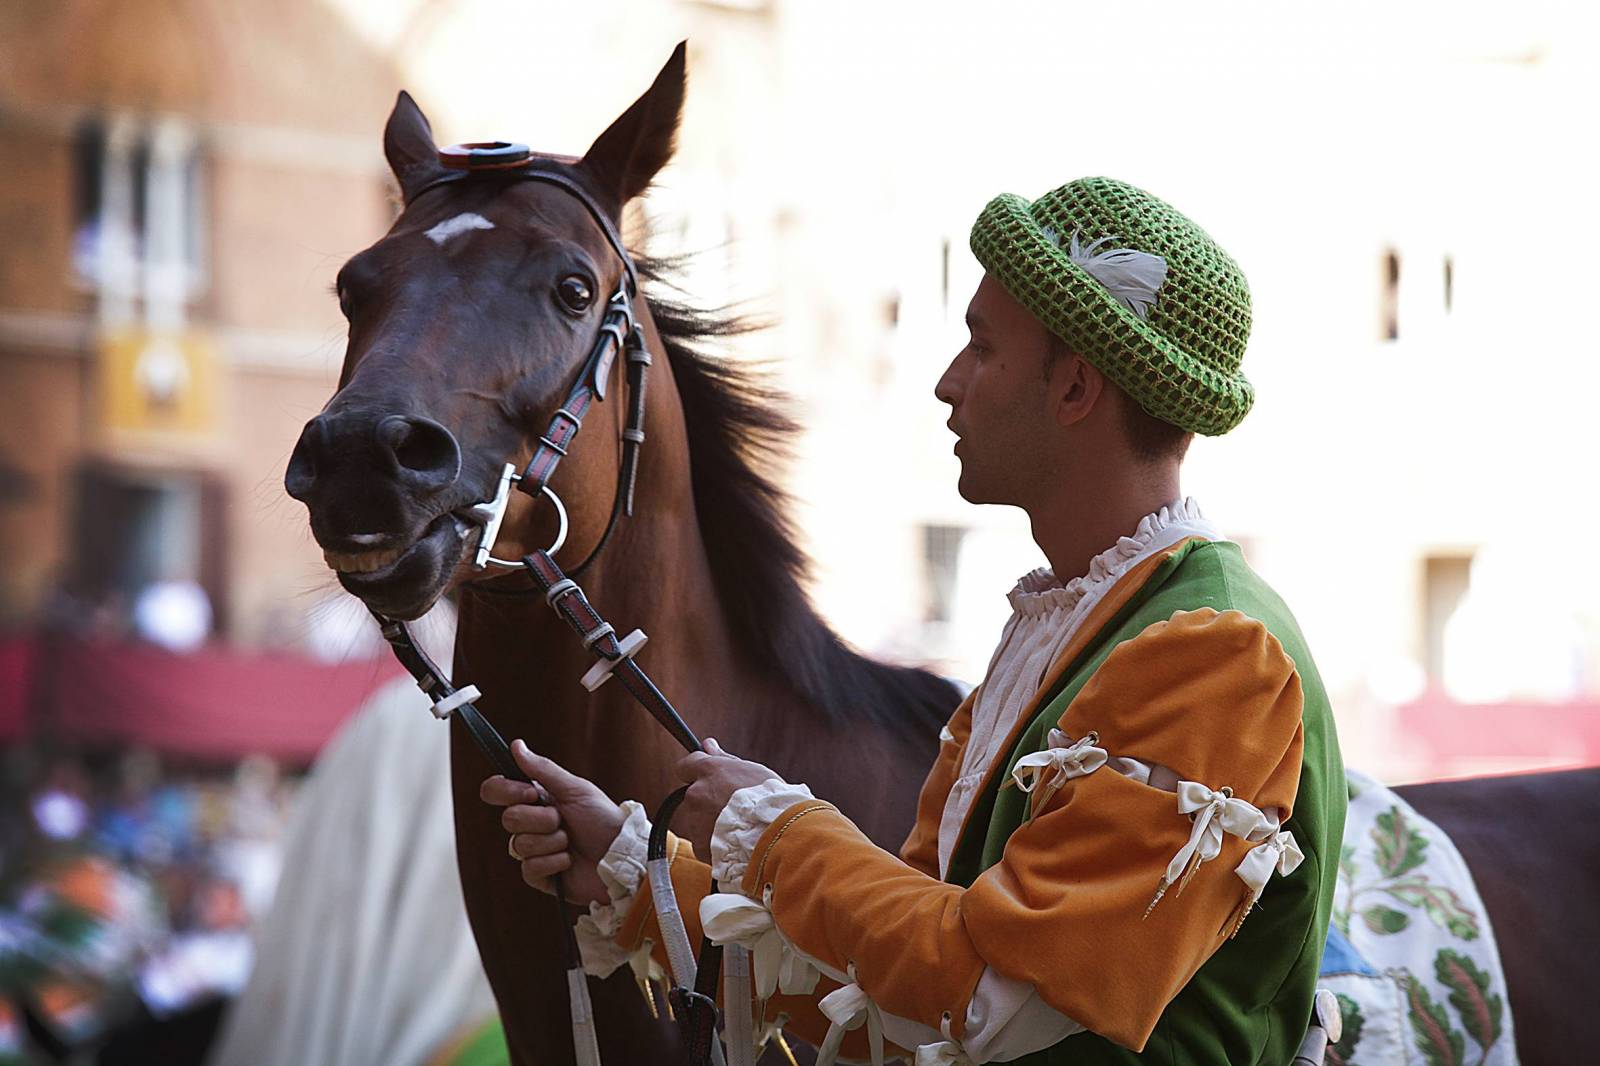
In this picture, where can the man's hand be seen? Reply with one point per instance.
(568, 832)
(714, 775)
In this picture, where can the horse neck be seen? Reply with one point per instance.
(654, 575)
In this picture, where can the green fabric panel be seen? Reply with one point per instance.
(486, 1047)
(1251, 1001)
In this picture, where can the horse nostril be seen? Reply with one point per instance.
(301, 477)
(425, 453)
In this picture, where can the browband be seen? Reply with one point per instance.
(548, 177)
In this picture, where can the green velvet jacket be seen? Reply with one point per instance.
(1251, 1002)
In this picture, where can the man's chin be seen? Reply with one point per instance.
(972, 490)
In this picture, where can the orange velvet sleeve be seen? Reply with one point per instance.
(1210, 695)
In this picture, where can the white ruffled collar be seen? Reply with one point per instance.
(1041, 592)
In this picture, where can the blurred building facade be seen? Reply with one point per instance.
(1402, 186)
(182, 179)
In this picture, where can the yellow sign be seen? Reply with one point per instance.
(157, 382)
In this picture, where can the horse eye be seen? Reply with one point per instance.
(575, 293)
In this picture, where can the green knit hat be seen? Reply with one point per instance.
(1162, 311)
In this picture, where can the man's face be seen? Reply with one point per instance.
(998, 399)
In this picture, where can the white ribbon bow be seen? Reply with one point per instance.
(1068, 758)
(1214, 813)
(1278, 852)
(729, 918)
(846, 1008)
(948, 1052)
(944, 1053)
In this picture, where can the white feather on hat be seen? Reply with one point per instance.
(1132, 278)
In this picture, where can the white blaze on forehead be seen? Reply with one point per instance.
(454, 227)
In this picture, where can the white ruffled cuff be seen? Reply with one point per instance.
(620, 871)
(741, 823)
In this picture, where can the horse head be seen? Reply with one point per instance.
(468, 321)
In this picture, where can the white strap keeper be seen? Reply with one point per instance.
(443, 708)
(600, 672)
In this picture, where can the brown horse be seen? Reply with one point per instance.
(1532, 842)
(468, 321)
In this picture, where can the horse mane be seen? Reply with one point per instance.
(737, 424)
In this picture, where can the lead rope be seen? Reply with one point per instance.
(694, 986)
(694, 989)
(449, 701)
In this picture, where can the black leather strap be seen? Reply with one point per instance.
(431, 680)
(696, 1008)
(574, 608)
(586, 389)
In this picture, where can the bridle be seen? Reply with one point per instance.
(693, 992)
(619, 333)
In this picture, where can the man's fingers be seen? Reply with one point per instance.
(535, 870)
(536, 766)
(503, 792)
(523, 818)
(533, 845)
(692, 765)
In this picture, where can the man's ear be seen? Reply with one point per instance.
(1076, 386)
(627, 156)
(408, 145)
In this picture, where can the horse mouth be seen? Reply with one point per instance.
(404, 582)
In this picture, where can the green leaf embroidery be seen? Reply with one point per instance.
(1350, 1011)
(1347, 862)
(1440, 1045)
(1469, 995)
(1400, 847)
(1385, 920)
(1439, 903)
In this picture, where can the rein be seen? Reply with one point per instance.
(693, 992)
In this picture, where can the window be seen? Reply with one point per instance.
(1445, 580)
(1389, 300)
(135, 529)
(941, 550)
(944, 276)
(138, 214)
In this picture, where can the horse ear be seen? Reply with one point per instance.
(408, 145)
(627, 156)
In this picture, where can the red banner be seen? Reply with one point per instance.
(216, 703)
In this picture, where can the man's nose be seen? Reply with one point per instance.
(946, 389)
(415, 451)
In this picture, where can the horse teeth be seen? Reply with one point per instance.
(360, 562)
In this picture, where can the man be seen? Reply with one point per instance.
(1126, 849)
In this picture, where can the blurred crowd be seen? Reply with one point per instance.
(127, 888)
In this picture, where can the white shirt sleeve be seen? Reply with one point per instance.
(620, 871)
(739, 827)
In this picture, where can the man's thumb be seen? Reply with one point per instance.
(546, 772)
